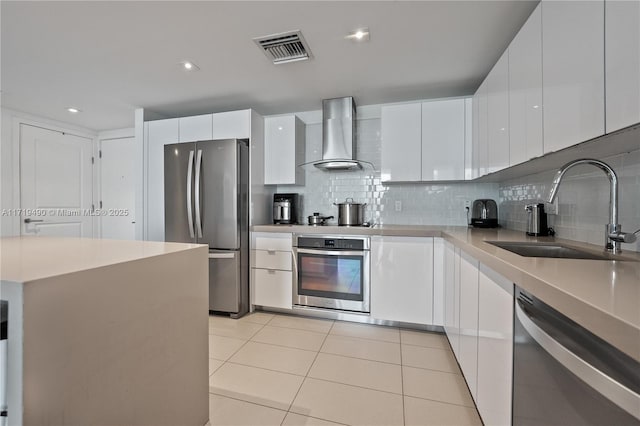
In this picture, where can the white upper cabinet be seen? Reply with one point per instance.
(482, 143)
(573, 72)
(622, 59)
(232, 125)
(402, 279)
(443, 137)
(284, 144)
(469, 110)
(196, 128)
(525, 91)
(401, 133)
(498, 118)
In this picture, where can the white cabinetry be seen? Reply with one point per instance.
(525, 91)
(573, 72)
(443, 137)
(622, 60)
(452, 296)
(402, 279)
(438, 281)
(159, 134)
(498, 115)
(468, 351)
(481, 141)
(425, 141)
(401, 134)
(271, 274)
(232, 125)
(495, 347)
(196, 128)
(284, 144)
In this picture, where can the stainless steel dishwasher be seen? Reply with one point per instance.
(565, 375)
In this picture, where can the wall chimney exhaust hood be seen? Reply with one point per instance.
(339, 136)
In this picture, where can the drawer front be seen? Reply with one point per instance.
(271, 259)
(272, 288)
(267, 241)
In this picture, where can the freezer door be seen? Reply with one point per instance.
(179, 165)
(224, 281)
(217, 188)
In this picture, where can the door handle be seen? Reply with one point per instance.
(29, 220)
(197, 191)
(189, 205)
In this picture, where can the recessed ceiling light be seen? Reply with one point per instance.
(361, 34)
(189, 66)
(73, 110)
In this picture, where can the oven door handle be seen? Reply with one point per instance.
(329, 252)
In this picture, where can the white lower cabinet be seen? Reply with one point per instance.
(468, 351)
(402, 279)
(271, 272)
(478, 322)
(495, 347)
(452, 296)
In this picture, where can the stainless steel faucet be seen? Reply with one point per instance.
(614, 236)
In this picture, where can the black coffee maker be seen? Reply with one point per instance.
(285, 209)
(484, 214)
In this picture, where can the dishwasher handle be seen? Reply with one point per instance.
(614, 391)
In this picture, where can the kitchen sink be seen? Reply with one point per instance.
(553, 250)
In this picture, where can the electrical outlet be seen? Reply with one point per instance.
(398, 206)
(467, 204)
(552, 208)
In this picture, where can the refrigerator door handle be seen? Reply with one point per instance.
(197, 191)
(189, 204)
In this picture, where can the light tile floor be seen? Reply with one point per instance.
(269, 369)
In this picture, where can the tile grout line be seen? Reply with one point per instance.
(309, 369)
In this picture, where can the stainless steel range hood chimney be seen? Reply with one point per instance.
(338, 135)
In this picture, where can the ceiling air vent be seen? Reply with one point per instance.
(284, 47)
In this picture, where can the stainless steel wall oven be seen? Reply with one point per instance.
(331, 272)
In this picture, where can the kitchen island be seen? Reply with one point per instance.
(105, 331)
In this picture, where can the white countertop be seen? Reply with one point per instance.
(24, 259)
(602, 296)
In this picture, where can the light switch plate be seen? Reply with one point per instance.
(398, 206)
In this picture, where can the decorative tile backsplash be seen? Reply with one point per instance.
(583, 200)
(420, 204)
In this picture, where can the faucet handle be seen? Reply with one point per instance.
(623, 237)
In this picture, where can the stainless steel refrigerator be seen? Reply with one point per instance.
(206, 199)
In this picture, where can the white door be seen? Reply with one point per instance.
(56, 185)
(117, 191)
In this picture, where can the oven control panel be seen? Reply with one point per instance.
(332, 243)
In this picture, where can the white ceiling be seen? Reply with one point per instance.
(108, 58)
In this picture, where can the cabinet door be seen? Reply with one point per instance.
(196, 128)
(232, 125)
(401, 128)
(438, 281)
(443, 140)
(451, 296)
(495, 347)
(622, 61)
(272, 288)
(402, 279)
(498, 110)
(284, 150)
(525, 91)
(468, 352)
(159, 134)
(483, 125)
(572, 71)
(475, 138)
(468, 138)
